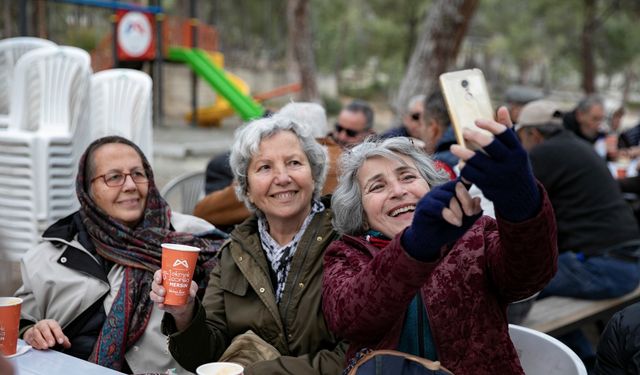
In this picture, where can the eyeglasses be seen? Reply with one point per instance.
(115, 179)
(350, 132)
(416, 116)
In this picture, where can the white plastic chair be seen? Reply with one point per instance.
(11, 50)
(121, 102)
(541, 354)
(184, 192)
(47, 131)
(50, 90)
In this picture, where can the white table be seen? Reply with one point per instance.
(51, 362)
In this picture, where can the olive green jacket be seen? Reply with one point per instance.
(240, 297)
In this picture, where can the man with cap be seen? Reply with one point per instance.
(598, 237)
(517, 96)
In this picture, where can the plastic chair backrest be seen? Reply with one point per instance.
(541, 354)
(184, 192)
(121, 105)
(50, 90)
(11, 50)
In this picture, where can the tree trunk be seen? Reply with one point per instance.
(413, 21)
(41, 17)
(340, 53)
(301, 44)
(629, 78)
(444, 29)
(588, 61)
(6, 17)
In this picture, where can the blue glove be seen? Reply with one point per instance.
(505, 177)
(429, 231)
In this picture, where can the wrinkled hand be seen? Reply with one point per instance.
(442, 216)
(181, 314)
(46, 334)
(503, 172)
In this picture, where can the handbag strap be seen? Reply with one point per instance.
(431, 365)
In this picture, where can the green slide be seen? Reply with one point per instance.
(244, 105)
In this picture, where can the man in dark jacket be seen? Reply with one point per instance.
(619, 346)
(598, 237)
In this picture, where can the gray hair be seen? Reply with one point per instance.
(310, 115)
(247, 141)
(346, 203)
(414, 99)
(589, 102)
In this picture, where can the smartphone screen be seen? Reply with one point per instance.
(467, 98)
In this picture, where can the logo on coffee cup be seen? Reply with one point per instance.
(181, 262)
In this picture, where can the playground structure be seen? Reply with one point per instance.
(177, 40)
(173, 39)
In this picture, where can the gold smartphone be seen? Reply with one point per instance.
(467, 98)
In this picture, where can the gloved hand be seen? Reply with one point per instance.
(441, 217)
(505, 177)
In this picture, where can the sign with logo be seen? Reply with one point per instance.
(136, 36)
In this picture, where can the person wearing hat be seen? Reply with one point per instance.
(598, 237)
(517, 96)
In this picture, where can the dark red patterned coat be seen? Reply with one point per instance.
(367, 290)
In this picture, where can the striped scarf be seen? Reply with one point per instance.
(280, 256)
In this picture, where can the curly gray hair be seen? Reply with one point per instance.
(247, 141)
(346, 203)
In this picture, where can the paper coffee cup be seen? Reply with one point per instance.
(9, 324)
(178, 264)
(220, 368)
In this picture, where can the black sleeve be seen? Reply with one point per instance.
(630, 185)
(609, 356)
(619, 346)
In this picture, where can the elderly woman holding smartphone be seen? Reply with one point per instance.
(269, 276)
(418, 269)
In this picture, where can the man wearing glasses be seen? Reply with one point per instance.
(410, 126)
(354, 124)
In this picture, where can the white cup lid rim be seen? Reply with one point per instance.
(180, 247)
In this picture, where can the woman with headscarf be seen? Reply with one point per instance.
(262, 306)
(86, 286)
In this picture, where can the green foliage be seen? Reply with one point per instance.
(332, 105)
(82, 37)
(534, 41)
(618, 43)
(542, 38)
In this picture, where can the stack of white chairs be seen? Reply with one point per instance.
(11, 50)
(47, 131)
(121, 104)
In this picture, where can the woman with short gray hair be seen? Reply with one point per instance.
(418, 268)
(247, 143)
(347, 200)
(264, 294)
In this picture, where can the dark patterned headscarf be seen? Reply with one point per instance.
(138, 249)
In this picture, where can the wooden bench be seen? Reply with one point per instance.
(559, 315)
